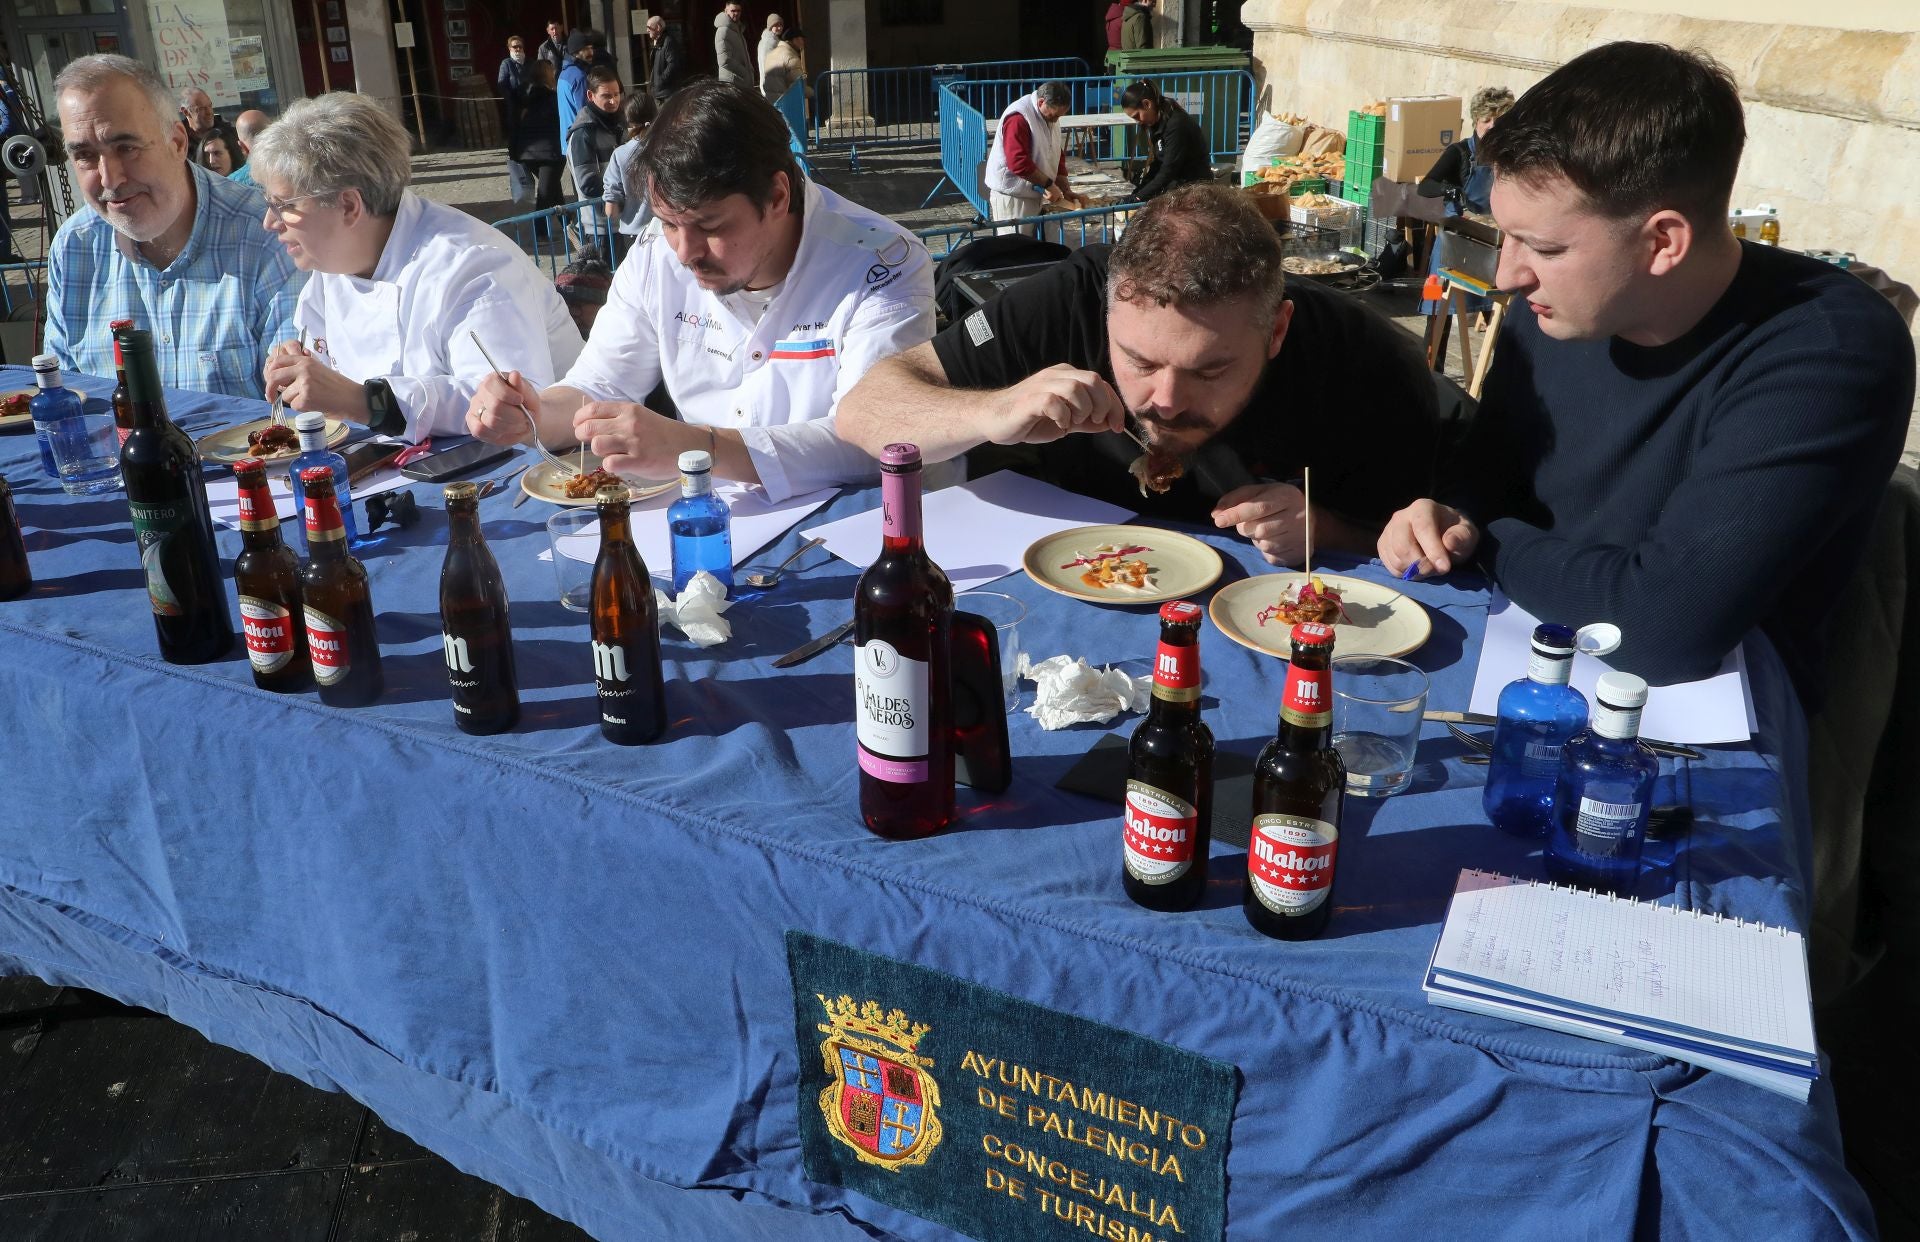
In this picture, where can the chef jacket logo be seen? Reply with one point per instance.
(694, 319)
(881, 1101)
(877, 273)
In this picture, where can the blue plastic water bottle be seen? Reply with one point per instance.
(700, 525)
(312, 428)
(49, 407)
(1604, 793)
(1538, 713)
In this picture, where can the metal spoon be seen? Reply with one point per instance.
(761, 579)
(565, 467)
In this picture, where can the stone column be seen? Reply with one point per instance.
(847, 20)
(376, 70)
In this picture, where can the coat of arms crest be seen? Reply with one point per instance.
(880, 1100)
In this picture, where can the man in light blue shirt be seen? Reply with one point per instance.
(178, 249)
(247, 127)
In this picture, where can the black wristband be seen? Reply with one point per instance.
(384, 416)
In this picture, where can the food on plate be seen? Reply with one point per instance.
(1112, 567)
(1156, 471)
(1298, 265)
(583, 486)
(273, 438)
(1313, 600)
(15, 404)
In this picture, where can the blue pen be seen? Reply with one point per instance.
(1406, 575)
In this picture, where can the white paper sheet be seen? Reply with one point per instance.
(1712, 710)
(977, 531)
(223, 494)
(756, 522)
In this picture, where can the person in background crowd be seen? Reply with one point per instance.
(730, 45)
(536, 141)
(1190, 325)
(1116, 15)
(668, 64)
(757, 297)
(1027, 168)
(196, 110)
(400, 285)
(1180, 152)
(775, 31)
(626, 203)
(247, 128)
(554, 50)
(160, 241)
(1682, 433)
(785, 65)
(571, 90)
(510, 80)
(1458, 177)
(596, 133)
(1136, 26)
(215, 153)
(582, 285)
(603, 57)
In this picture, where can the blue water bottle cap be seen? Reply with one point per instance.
(1553, 639)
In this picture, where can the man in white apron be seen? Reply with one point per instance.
(1027, 168)
(758, 298)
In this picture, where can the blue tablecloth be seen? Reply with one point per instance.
(560, 963)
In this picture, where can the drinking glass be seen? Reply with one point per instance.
(86, 450)
(1378, 702)
(1005, 613)
(575, 536)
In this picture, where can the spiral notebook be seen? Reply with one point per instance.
(1717, 992)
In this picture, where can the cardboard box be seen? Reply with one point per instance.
(1418, 130)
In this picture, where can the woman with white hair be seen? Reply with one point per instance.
(399, 283)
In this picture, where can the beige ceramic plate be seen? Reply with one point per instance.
(545, 481)
(1180, 565)
(24, 418)
(230, 444)
(1380, 620)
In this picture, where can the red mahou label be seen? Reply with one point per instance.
(269, 631)
(1290, 861)
(327, 645)
(1160, 830)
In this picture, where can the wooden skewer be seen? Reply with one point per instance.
(1306, 494)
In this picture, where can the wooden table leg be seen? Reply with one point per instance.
(1457, 300)
(1487, 342)
(1437, 339)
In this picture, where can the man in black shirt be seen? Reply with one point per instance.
(1682, 434)
(1189, 325)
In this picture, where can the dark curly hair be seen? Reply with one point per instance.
(1199, 245)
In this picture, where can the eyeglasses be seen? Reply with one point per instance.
(283, 207)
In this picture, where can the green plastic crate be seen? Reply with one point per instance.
(1311, 185)
(1366, 155)
(1365, 127)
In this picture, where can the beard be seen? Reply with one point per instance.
(142, 224)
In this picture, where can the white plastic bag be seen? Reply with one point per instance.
(1274, 139)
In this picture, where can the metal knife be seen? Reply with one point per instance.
(814, 646)
(521, 499)
(1671, 749)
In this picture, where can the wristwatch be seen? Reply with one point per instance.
(384, 416)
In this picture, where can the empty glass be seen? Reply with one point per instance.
(1378, 702)
(1005, 613)
(86, 450)
(575, 536)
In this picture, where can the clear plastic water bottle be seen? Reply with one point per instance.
(701, 525)
(312, 429)
(1538, 713)
(82, 446)
(1604, 793)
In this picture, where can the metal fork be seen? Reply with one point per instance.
(558, 463)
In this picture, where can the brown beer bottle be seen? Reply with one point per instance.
(171, 521)
(122, 403)
(1169, 808)
(624, 624)
(15, 576)
(339, 607)
(267, 576)
(475, 631)
(902, 667)
(1299, 787)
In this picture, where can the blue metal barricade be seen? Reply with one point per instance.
(856, 108)
(554, 235)
(792, 107)
(22, 281)
(1090, 226)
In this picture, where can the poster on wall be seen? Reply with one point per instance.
(457, 29)
(336, 34)
(249, 63)
(190, 37)
(339, 55)
(459, 51)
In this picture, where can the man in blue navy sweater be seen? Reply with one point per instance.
(1682, 433)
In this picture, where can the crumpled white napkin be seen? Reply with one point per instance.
(697, 612)
(1071, 691)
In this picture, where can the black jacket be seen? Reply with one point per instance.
(669, 66)
(1180, 153)
(536, 130)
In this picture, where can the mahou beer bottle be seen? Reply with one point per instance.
(624, 624)
(171, 520)
(475, 631)
(15, 576)
(122, 403)
(267, 576)
(903, 693)
(338, 604)
(1299, 785)
(1169, 810)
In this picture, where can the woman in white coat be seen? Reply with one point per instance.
(399, 283)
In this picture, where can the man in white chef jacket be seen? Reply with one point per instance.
(400, 285)
(759, 299)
